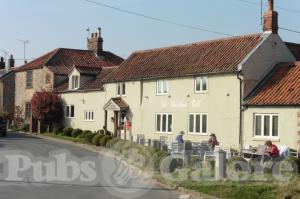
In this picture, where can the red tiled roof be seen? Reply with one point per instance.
(216, 56)
(280, 87)
(97, 83)
(120, 102)
(295, 49)
(88, 70)
(62, 60)
(94, 84)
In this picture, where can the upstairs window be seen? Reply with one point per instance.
(201, 84)
(75, 82)
(266, 125)
(89, 115)
(70, 111)
(29, 79)
(162, 87)
(121, 89)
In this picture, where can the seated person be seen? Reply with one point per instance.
(271, 149)
(179, 138)
(213, 141)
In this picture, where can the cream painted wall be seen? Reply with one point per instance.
(85, 101)
(258, 64)
(288, 126)
(221, 103)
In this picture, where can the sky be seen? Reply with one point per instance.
(50, 24)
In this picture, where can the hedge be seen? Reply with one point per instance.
(96, 139)
(76, 133)
(103, 141)
(67, 132)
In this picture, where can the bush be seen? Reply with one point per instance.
(25, 127)
(111, 143)
(57, 129)
(103, 141)
(67, 132)
(88, 137)
(96, 139)
(76, 133)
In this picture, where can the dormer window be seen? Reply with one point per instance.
(75, 82)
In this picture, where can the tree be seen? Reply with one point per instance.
(46, 108)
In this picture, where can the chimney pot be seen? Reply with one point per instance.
(11, 62)
(271, 19)
(2, 63)
(95, 43)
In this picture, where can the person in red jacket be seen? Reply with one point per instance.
(272, 149)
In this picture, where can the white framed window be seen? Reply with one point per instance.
(164, 122)
(201, 84)
(121, 89)
(198, 123)
(162, 87)
(266, 125)
(69, 111)
(89, 115)
(75, 82)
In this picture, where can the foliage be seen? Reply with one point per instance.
(47, 107)
(96, 139)
(25, 127)
(18, 118)
(67, 131)
(103, 141)
(76, 132)
(88, 137)
(57, 129)
(232, 191)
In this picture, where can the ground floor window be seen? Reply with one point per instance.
(89, 115)
(198, 123)
(164, 122)
(69, 111)
(28, 110)
(266, 125)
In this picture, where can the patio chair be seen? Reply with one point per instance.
(211, 154)
(177, 149)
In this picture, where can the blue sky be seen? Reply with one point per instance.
(50, 24)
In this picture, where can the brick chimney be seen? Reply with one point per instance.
(95, 42)
(11, 62)
(2, 63)
(271, 19)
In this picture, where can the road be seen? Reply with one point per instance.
(42, 147)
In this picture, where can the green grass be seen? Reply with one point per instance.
(232, 190)
(72, 139)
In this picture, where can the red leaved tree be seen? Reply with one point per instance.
(47, 108)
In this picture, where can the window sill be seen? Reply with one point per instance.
(198, 134)
(89, 120)
(164, 133)
(162, 94)
(201, 92)
(273, 139)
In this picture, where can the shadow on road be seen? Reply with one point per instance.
(17, 136)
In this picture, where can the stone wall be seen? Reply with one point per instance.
(8, 94)
(24, 95)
